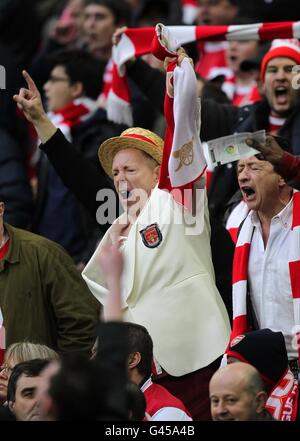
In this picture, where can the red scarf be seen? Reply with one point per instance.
(72, 115)
(138, 41)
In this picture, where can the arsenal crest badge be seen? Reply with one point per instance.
(151, 236)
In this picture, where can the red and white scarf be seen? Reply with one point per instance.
(282, 402)
(275, 124)
(183, 160)
(240, 273)
(236, 217)
(138, 41)
(240, 95)
(73, 114)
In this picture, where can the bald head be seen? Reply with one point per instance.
(236, 393)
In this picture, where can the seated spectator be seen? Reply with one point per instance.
(236, 394)
(18, 353)
(22, 388)
(266, 351)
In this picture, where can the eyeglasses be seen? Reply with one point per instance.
(54, 79)
(5, 369)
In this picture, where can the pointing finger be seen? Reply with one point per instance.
(29, 81)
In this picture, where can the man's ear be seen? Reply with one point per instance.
(157, 172)
(260, 400)
(77, 89)
(134, 360)
(11, 405)
(281, 182)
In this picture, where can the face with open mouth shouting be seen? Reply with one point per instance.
(239, 51)
(135, 175)
(259, 183)
(278, 85)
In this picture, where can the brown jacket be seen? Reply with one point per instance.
(43, 298)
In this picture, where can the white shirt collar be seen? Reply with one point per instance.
(284, 216)
(146, 385)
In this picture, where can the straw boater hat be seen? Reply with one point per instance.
(133, 138)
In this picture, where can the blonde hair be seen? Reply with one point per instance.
(25, 351)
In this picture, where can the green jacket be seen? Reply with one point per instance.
(43, 297)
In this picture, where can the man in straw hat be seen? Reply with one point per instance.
(168, 282)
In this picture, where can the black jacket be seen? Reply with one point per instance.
(14, 188)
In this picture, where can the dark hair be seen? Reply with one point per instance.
(139, 340)
(136, 402)
(153, 12)
(80, 390)
(119, 8)
(80, 66)
(31, 368)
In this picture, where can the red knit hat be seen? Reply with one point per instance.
(289, 48)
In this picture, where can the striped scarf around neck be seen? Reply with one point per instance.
(283, 399)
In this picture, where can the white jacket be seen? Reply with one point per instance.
(170, 289)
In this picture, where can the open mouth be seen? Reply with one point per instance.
(125, 194)
(281, 94)
(248, 193)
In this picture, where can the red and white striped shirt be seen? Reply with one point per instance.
(161, 405)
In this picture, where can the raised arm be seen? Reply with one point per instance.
(29, 101)
(286, 164)
(111, 261)
(82, 177)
